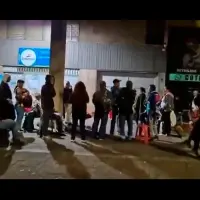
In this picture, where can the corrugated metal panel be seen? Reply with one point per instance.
(113, 57)
(87, 56)
(71, 55)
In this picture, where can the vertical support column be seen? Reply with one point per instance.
(57, 62)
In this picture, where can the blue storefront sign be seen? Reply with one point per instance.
(34, 57)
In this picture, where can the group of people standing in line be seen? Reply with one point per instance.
(123, 102)
(120, 101)
(125, 106)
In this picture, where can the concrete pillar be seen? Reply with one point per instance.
(89, 78)
(57, 63)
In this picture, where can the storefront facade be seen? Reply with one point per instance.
(32, 66)
(93, 53)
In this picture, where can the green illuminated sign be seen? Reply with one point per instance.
(185, 77)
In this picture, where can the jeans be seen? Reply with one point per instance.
(11, 125)
(113, 121)
(152, 125)
(122, 120)
(59, 124)
(20, 114)
(28, 124)
(46, 116)
(102, 131)
(74, 126)
(68, 112)
(166, 123)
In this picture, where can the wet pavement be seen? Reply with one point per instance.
(111, 159)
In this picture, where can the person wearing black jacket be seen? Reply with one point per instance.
(6, 94)
(115, 93)
(66, 100)
(47, 103)
(102, 100)
(9, 124)
(140, 104)
(5, 91)
(79, 101)
(125, 103)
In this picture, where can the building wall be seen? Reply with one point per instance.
(81, 55)
(113, 31)
(33, 30)
(117, 57)
(103, 45)
(110, 45)
(182, 23)
(97, 31)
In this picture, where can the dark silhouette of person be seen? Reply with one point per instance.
(79, 100)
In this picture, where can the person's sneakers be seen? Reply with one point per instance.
(130, 138)
(155, 137)
(96, 137)
(72, 140)
(83, 141)
(188, 143)
(195, 152)
(123, 138)
(47, 137)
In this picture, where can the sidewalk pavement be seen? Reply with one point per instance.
(61, 159)
(108, 159)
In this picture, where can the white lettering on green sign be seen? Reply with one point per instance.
(184, 77)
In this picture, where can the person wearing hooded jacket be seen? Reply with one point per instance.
(47, 103)
(102, 100)
(125, 102)
(115, 90)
